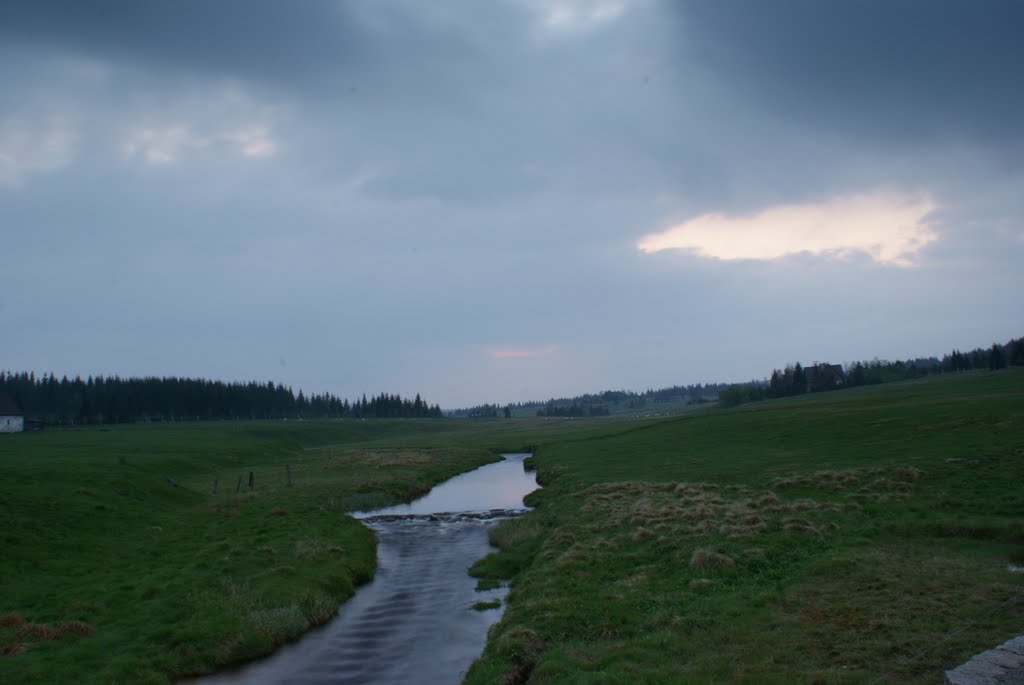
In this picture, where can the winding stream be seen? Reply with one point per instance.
(414, 622)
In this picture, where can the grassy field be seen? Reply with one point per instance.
(855, 537)
(864, 536)
(118, 563)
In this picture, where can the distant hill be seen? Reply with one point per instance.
(794, 379)
(670, 399)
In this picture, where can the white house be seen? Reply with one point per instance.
(12, 419)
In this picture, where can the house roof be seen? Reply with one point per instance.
(9, 407)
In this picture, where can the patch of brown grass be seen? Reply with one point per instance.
(907, 473)
(790, 481)
(575, 553)
(11, 619)
(698, 583)
(313, 549)
(704, 558)
(706, 526)
(703, 498)
(800, 526)
(46, 631)
(13, 649)
(740, 530)
(278, 511)
(698, 512)
(642, 534)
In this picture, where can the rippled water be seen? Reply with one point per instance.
(414, 623)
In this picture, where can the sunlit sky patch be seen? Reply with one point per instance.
(892, 228)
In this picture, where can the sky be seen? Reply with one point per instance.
(505, 201)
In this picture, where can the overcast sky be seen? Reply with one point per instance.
(506, 200)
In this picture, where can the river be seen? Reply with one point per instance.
(414, 622)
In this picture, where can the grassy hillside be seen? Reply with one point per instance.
(855, 537)
(111, 573)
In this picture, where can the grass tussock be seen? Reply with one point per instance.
(484, 606)
(514, 532)
(521, 648)
(708, 559)
(313, 549)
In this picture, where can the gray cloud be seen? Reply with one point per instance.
(437, 180)
(905, 70)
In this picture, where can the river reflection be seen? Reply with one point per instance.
(501, 485)
(414, 622)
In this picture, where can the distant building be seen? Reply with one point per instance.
(824, 377)
(12, 419)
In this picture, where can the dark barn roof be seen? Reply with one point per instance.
(9, 407)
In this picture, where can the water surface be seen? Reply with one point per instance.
(414, 622)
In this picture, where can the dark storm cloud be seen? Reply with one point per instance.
(898, 70)
(228, 37)
(319, 47)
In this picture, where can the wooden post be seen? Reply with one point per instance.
(238, 487)
(288, 474)
(215, 486)
(252, 480)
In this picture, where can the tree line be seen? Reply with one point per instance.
(599, 403)
(795, 379)
(121, 400)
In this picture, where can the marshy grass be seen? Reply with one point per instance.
(774, 543)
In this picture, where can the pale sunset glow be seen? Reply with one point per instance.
(890, 227)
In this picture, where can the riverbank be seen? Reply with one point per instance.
(867, 536)
(120, 564)
(421, 619)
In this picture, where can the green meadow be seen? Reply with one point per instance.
(120, 564)
(859, 536)
(865, 536)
